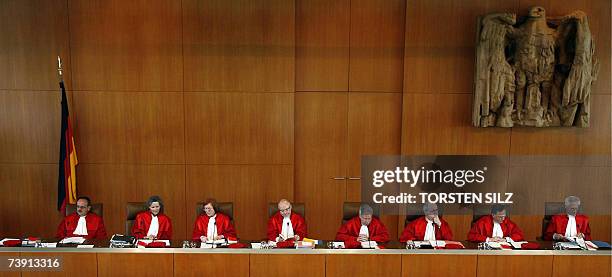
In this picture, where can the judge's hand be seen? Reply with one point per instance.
(437, 221)
(558, 237)
(362, 238)
(218, 237)
(580, 235)
(497, 239)
(150, 237)
(296, 238)
(280, 238)
(203, 238)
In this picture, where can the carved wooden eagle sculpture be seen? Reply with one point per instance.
(537, 72)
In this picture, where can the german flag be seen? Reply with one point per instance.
(66, 184)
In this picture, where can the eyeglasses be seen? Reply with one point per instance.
(82, 207)
(284, 210)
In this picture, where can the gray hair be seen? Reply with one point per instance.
(497, 208)
(572, 200)
(429, 207)
(157, 199)
(365, 209)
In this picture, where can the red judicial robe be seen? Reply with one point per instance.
(558, 224)
(349, 232)
(143, 222)
(483, 229)
(95, 226)
(224, 225)
(415, 230)
(275, 225)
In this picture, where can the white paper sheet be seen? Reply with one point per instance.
(369, 245)
(78, 240)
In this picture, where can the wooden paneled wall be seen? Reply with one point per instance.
(251, 101)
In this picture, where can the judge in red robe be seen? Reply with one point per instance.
(362, 228)
(82, 223)
(570, 224)
(285, 224)
(427, 227)
(495, 227)
(213, 225)
(153, 224)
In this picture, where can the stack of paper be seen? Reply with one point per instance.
(569, 245)
(369, 245)
(499, 245)
(517, 244)
(305, 244)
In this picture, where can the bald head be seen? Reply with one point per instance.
(284, 206)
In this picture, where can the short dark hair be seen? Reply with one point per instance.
(497, 208)
(86, 199)
(157, 199)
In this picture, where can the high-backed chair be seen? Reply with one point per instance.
(351, 209)
(297, 208)
(132, 209)
(226, 208)
(413, 212)
(480, 211)
(95, 208)
(550, 209)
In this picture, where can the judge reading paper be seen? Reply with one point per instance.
(285, 224)
(361, 230)
(564, 227)
(495, 227)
